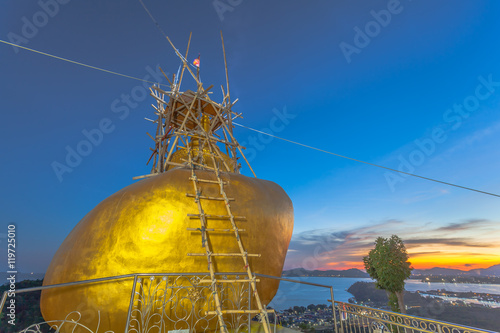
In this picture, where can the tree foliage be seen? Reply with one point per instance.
(388, 265)
(27, 308)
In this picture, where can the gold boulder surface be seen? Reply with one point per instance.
(142, 229)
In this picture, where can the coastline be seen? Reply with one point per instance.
(292, 294)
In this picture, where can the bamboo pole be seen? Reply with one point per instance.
(170, 82)
(244, 255)
(199, 92)
(208, 250)
(234, 140)
(225, 66)
(184, 64)
(181, 128)
(184, 61)
(215, 230)
(223, 217)
(230, 118)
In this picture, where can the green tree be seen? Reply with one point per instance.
(388, 265)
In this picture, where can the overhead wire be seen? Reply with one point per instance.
(368, 163)
(153, 19)
(255, 130)
(77, 62)
(163, 33)
(321, 150)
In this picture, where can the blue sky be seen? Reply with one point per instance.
(394, 101)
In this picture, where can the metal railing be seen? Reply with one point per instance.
(154, 298)
(355, 318)
(162, 302)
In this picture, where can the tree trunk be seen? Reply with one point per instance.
(393, 301)
(401, 302)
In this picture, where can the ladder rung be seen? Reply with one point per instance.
(221, 217)
(223, 255)
(207, 181)
(237, 312)
(213, 137)
(208, 198)
(217, 230)
(230, 281)
(198, 164)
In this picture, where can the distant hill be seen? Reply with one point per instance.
(436, 271)
(21, 277)
(439, 271)
(490, 271)
(352, 272)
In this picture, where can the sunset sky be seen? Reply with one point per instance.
(411, 85)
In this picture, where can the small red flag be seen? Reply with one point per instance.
(196, 61)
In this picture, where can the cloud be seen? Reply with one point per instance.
(340, 249)
(419, 254)
(309, 240)
(445, 241)
(465, 225)
(474, 138)
(420, 196)
(321, 248)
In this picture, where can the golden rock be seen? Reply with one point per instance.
(142, 229)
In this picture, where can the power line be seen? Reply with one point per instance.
(163, 33)
(324, 151)
(372, 164)
(77, 63)
(153, 19)
(252, 129)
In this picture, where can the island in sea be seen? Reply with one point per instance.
(490, 275)
(351, 272)
(440, 304)
(471, 308)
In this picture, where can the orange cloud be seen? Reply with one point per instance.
(460, 245)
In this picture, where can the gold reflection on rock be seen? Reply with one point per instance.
(142, 229)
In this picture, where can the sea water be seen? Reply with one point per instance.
(290, 294)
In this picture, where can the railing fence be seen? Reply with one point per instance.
(179, 302)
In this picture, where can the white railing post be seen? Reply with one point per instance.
(334, 312)
(132, 296)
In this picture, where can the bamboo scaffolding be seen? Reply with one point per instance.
(190, 130)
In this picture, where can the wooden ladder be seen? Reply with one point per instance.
(209, 252)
